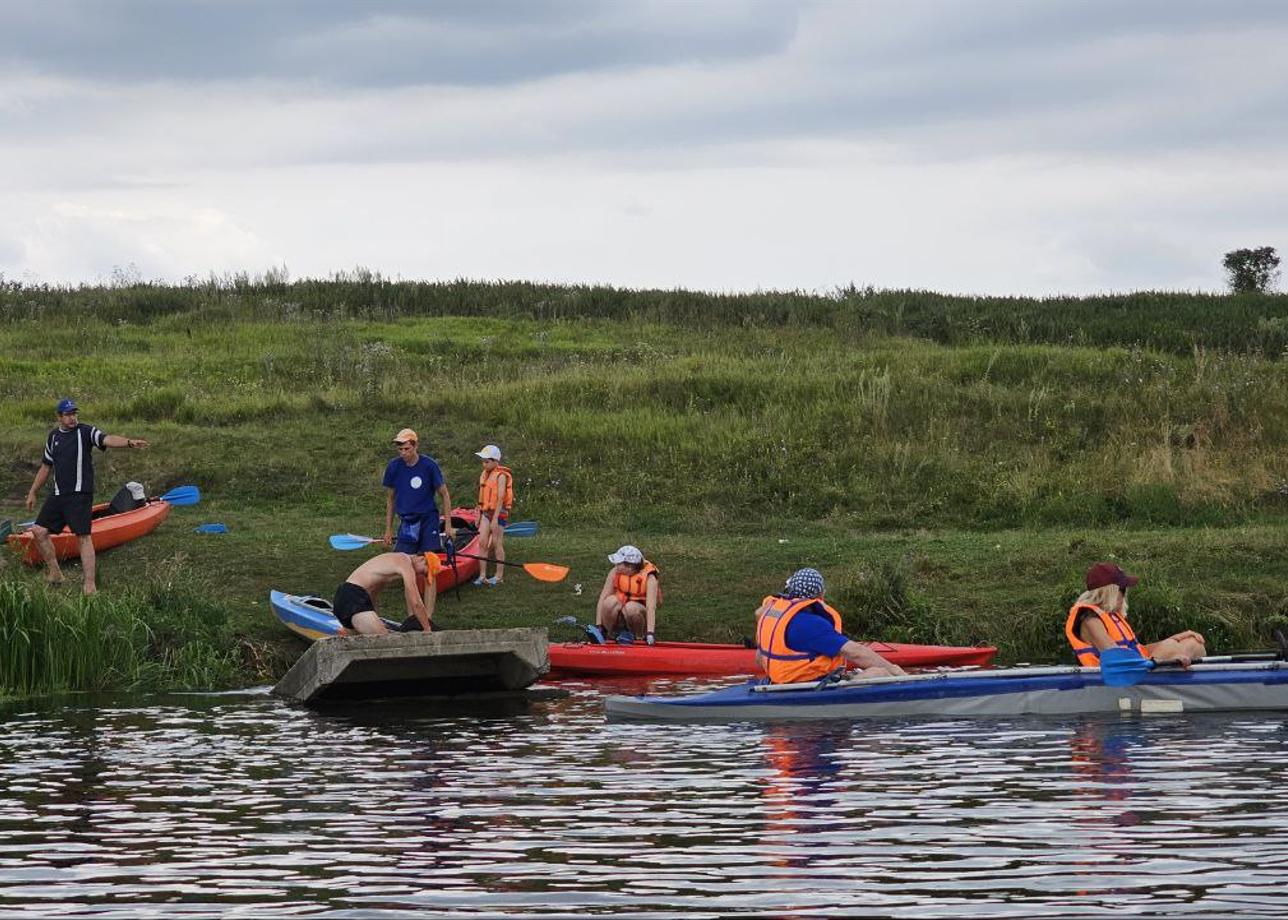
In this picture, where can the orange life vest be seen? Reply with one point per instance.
(488, 491)
(1115, 625)
(783, 664)
(635, 587)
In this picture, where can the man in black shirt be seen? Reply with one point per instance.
(68, 452)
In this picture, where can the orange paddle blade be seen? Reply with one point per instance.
(545, 571)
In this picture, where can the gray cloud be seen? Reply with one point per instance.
(348, 43)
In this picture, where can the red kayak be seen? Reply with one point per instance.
(694, 658)
(106, 530)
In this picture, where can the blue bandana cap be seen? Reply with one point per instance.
(804, 583)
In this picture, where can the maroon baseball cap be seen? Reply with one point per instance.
(1107, 573)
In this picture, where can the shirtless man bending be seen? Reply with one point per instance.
(355, 605)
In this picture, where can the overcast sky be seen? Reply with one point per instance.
(979, 146)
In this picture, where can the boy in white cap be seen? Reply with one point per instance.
(496, 498)
(632, 592)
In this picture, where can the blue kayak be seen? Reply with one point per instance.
(308, 615)
(1054, 690)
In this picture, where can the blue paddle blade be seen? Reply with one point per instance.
(1120, 667)
(6, 528)
(182, 495)
(212, 528)
(521, 529)
(350, 541)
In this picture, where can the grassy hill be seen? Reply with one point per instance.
(952, 464)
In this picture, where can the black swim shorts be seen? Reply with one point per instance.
(351, 599)
(72, 510)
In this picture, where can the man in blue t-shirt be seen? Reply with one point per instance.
(69, 457)
(412, 482)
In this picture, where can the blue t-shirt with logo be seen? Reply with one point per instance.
(414, 486)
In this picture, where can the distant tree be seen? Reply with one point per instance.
(1251, 271)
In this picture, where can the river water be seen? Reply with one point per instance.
(243, 805)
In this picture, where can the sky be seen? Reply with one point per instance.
(1027, 147)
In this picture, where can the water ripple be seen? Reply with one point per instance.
(237, 805)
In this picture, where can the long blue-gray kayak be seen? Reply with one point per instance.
(1054, 690)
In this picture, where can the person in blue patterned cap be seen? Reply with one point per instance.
(69, 456)
(799, 637)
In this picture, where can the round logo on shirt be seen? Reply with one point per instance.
(417, 482)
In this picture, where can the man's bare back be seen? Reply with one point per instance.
(377, 572)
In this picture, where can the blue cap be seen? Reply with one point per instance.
(66, 405)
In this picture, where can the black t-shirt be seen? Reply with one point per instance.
(70, 453)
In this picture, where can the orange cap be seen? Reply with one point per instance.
(406, 434)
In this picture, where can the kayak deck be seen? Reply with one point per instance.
(990, 693)
(711, 659)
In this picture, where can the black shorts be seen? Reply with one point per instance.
(351, 599)
(72, 511)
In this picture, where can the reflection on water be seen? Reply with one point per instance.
(241, 804)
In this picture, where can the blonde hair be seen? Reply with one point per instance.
(1107, 597)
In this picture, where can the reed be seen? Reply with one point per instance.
(52, 641)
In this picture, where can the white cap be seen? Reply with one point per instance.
(491, 452)
(627, 553)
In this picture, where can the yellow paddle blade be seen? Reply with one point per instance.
(545, 571)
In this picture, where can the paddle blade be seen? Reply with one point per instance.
(350, 541)
(6, 528)
(212, 528)
(545, 571)
(521, 529)
(182, 495)
(1120, 667)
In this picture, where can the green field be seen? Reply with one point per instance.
(951, 464)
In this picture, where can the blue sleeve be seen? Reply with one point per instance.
(389, 473)
(809, 632)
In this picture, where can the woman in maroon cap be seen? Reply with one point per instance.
(1098, 620)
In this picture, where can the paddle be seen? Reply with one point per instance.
(594, 633)
(518, 529)
(6, 528)
(178, 496)
(182, 495)
(1120, 667)
(541, 571)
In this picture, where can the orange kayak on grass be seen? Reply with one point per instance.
(106, 530)
(699, 658)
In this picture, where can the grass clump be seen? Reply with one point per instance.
(166, 635)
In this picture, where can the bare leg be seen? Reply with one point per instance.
(1168, 649)
(430, 597)
(498, 551)
(635, 615)
(368, 623)
(485, 540)
(607, 612)
(89, 563)
(53, 574)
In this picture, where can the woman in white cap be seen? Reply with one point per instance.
(632, 591)
(496, 498)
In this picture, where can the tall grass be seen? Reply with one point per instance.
(164, 636)
(1175, 322)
